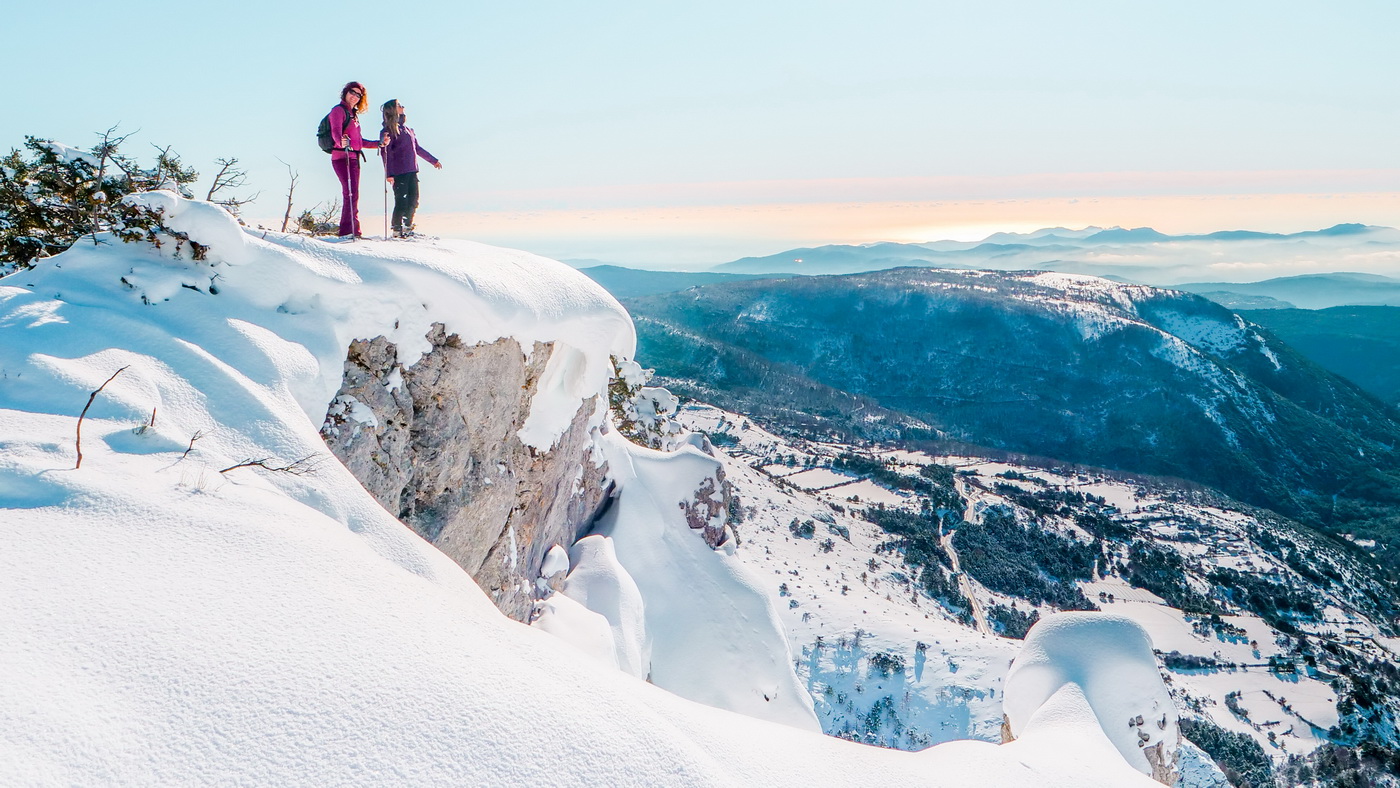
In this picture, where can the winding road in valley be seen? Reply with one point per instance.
(979, 616)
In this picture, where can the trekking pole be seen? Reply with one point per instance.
(384, 159)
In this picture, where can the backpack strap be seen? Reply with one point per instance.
(344, 127)
(344, 130)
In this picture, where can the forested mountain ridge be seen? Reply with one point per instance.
(1070, 367)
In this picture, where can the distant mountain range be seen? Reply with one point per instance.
(1098, 235)
(1070, 367)
(1138, 254)
(1309, 291)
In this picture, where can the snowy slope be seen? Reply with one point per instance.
(174, 620)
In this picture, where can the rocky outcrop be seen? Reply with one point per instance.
(707, 513)
(435, 442)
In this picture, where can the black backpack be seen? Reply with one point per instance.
(323, 132)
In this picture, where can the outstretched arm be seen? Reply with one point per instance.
(426, 156)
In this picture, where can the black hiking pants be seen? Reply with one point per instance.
(405, 201)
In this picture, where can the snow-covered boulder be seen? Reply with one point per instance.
(1086, 682)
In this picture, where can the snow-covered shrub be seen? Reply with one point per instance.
(643, 413)
(51, 195)
(326, 221)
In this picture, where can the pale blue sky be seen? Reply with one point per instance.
(639, 106)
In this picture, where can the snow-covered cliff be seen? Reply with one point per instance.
(209, 598)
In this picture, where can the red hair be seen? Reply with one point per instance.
(363, 103)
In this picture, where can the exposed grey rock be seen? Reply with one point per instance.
(440, 452)
(1165, 761)
(707, 512)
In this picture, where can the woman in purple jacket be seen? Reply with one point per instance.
(346, 158)
(400, 152)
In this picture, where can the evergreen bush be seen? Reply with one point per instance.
(52, 195)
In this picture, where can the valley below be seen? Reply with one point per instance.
(931, 461)
(1270, 637)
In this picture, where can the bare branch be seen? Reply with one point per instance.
(196, 436)
(230, 176)
(105, 150)
(78, 442)
(291, 189)
(164, 154)
(161, 160)
(220, 179)
(235, 203)
(110, 142)
(300, 467)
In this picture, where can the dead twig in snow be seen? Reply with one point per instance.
(300, 467)
(196, 436)
(78, 440)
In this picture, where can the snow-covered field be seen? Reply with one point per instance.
(171, 619)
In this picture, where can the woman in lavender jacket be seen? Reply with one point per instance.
(346, 158)
(401, 152)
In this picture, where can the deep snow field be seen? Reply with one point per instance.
(172, 620)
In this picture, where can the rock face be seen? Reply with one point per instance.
(435, 443)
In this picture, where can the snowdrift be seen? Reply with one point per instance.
(1088, 681)
(167, 622)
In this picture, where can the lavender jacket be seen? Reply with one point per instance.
(402, 152)
(352, 129)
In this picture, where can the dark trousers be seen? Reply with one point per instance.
(348, 170)
(405, 201)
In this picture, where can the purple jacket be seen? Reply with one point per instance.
(352, 129)
(401, 154)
